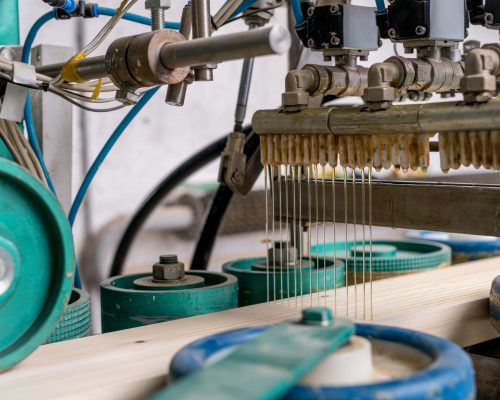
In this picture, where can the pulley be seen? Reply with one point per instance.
(388, 257)
(168, 293)
(36, 263)
(76, 321)
(284, 274)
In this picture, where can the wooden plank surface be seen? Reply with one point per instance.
(450, 302)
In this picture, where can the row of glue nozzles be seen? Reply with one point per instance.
(404, 151)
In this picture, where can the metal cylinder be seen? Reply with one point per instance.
(274, 40)
(176, 94)
(415, 118)
(202, 29)
(88, 68)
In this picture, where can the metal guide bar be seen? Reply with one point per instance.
(402, 119)
(454, 208)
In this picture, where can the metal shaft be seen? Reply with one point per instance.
(244, 91)
(202, 29)
(275, 40)
(176, 94)
(88, 68)
(259, 42)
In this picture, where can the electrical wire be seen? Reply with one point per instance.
(251, 13)
(135, 18)
(297, 12)
(380, 5)
(82, 191)
(159, 193)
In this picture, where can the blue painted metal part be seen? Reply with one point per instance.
(449, 377)
(495, 303)
(9, 22)
(269, 365)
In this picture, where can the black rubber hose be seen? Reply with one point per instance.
(215, 215)
(162, 190)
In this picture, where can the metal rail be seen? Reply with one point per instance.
(434, 206)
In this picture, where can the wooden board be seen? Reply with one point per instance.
(450, 302)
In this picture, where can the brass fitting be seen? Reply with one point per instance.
(318, 80)
(482, 69)
(396, 74)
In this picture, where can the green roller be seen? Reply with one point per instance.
(37, 263)
(167, 294)
(286, 273)
(389, 257)
(9, 26)
(75, 320)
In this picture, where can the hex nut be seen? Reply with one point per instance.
(295, 98)
(379, 94)
(168, 272)
(478, 83)
(155, 4)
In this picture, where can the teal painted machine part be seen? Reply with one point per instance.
(9, 22)
(76, 321)
(268, 366)
(450, 375)
(5, 152)
(37, 263)
(464, 248)
(253, 279)
(389, 256)
(124, 306)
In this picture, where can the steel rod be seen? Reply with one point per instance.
(420, 118)
(88, 68)
(274, 40)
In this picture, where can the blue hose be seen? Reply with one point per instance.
(105, 151)
(28, 116)
(243, 7)
(134, 17)
(297, 12)
(380, 5)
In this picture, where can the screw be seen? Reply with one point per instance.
(489, 18)
(392, 33)
(169, 259)
(310, 43)
(310, 11)
(334, 8)
(391, 1)
(317, 316)
(335, 40)
(420, 30)
(157, 19)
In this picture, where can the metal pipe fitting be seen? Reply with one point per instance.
(482, 67)
(318, 80)
(382, 79)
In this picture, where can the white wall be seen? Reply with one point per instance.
(162, 136)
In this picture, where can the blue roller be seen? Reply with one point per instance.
(495, 303)
(449, 377)
(464, 247)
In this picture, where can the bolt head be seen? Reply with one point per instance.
(392, 33)
(168, 272)
(154, 4)
(420, 30)
(317, 316)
